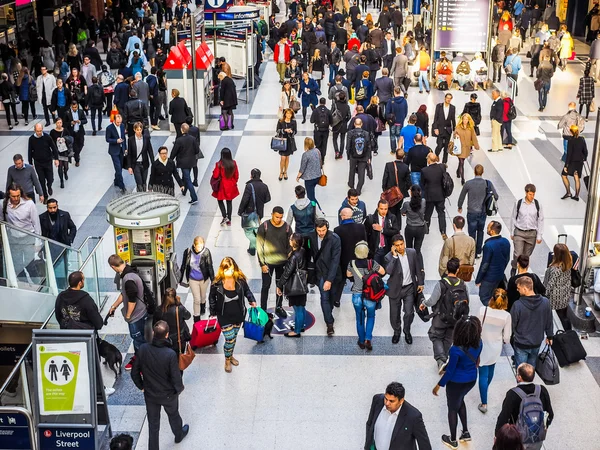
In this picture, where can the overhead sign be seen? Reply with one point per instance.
(229, 16)
(462, 25)
(63, 381)
(217, 5)
(16, 429)
(53, 437)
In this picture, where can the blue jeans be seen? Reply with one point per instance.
(187, 181)
(415, 178)
(528, 355)
(365, 331)
(136, 331)
(543, 94)
(423, 81)
(486, 373)
(565, 145)
(333, 70)
(299, 318)
(476, 225)
(118, 165)
(486, 290)
(327, 299)
(310, 186)
(394, 135)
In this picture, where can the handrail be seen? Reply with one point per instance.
(38, 236)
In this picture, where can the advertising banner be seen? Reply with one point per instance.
(462, 25)
(63, 380)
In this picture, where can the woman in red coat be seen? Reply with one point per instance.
(226, 172)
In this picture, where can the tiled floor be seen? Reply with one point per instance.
(314, 393)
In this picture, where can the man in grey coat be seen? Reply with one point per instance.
(384, 88)
(400, 69)
(142, 89)
(24, 175)
(406, 281)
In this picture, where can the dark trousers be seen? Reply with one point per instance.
(564, 318)
(361, 166)
(442, 144)
(224, 212)
(379, 255)
(327, 300)
(404, 301)
(507, 128)
(440, 207)
(321, 138)
(25, 109)
(414, 237)
(97, 111)
(171, 405)
(476, 225)
(395, 210)
(440, 336)
(178, 129)
(397, 31)
(266, 285)
(117, 161)
(339, 148)
(63, 168)
(11, 108)
(455, 398)
(78, 141)
(47, 111)
(140, 174)
(109, 103)
(154, 110)
(45, 174)
(387, 61)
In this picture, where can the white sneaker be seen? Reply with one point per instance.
(108, 391)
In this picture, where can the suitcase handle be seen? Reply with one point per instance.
(207, 326)
(562, 235)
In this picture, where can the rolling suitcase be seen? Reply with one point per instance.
(562, 239)
(205, 333)
(567, 347)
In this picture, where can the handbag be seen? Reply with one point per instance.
(424, 314)
(322, 179)
(298, 283)
(537, 84)
(215, 182)
(593, 106)
(380, 125)
(417, 74)
(252, 328)
(278, 143)
(251, 220)
(295, 106)
(185, 358)
(547, 367)
(465, 271)
(393, 195)
(186, 263)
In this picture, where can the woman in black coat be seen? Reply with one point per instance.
(341, 111)
(178, 110)
(8, 93)
(473, 109)
(227, 99)
(162, 172)
(169, 310)
(423, 119)
(296, 260)
(197, 272)
(577, 153)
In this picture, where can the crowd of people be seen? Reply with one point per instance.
(363, 60)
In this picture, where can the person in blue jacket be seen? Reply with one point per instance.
(309, 92)
(514, 60)
(396, 111)
(24, 84)
(496, 256)
(460, 376)
(368, 90)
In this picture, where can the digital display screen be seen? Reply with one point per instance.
(22, 2)
(462, 25)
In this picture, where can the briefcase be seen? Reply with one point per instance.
(568, 348)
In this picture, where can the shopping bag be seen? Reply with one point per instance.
(252, 328)
(547, 367)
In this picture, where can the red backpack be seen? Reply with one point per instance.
(373, 284)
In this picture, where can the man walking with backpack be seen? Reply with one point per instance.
(480, 193)
(526, 406)
(527, 225)
(135, 311)
(358, 146)
(406, 281)
(496, 255)
(449, 301)
(322, 119)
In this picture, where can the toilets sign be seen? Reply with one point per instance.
(62, 378)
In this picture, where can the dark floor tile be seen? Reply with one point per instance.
(126, 392)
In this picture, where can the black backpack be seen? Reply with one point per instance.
(322, 119)
(512, 111)
(454, 301)
(443, 86)
(489, 203)
(149, 299)
(359, 145)
(96, 95)
(447, 184)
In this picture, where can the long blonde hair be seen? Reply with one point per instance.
(470, 123)
(227, 263)
(72, 50)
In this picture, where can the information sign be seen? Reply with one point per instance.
(462, 25)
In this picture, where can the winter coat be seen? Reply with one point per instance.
(228, 189)
(261, 194)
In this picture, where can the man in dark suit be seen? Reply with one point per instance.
(167, 37)
(74, 121)
(408, 428)
(57, 224)
(325, 250)
(396, 173)
(380, 227)
(444, 124)
(139, 156)
(350, 233)
(185, 152)
(121, 93)
(117, 145)
(406, 281)
(388, 50)
(431, 181)
(194, 132)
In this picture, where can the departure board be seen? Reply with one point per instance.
(462, 25)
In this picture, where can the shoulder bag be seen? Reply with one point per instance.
(279, 143)
(298, 283)
(323, 178)
(185, 358)
(465, 271)
(393, 195)
(251, 220)
(215, 182)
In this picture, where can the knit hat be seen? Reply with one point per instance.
(361, 250)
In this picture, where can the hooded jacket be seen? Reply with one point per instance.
(396, 110)
(569, 119)
(301, 212)
(75, 305)
(359, 212)
(531, 319)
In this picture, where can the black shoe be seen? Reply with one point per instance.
(66, 176)
(202, 309)
(47, 124)
(251, 252)
(161, 118)
(193, 202)
(336, 304)
(368, 345)
(448, 442)
(94, 133)
(360, 344)
(395, 338)
(196, 319)
(195, 183)
(281, 313)
(408, 338)
(184, 432)
(62, 184)
(465, 436)
(50, 191)
(567, 195)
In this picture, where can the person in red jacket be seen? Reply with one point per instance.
(282, 56)
(224, 183)
(507, 122)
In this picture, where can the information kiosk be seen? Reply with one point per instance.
(144, 236)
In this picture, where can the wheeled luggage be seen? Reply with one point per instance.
(567, 347)
(205, 333)
(562, 239)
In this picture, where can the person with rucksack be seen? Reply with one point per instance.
(460, 246)
(512, 66)
(358, 148)
(135, 298)
(304, 212)
(406, 281)
(509, 114)
(449, 301)
(459, 376)
(481, 201)
(496, 255)
(527, 225)
(367, 291)
(340, 115)
(527, 405)
(75, 308)
(322, 119)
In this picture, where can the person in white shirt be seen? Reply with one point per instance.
(390, 412)
(496, 330)
(527, 225)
